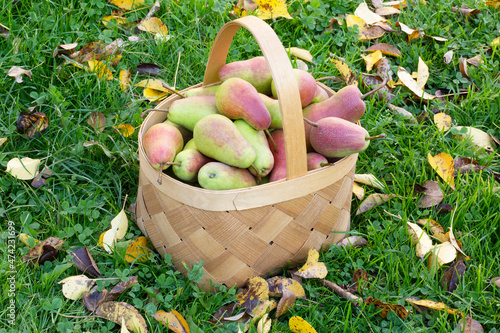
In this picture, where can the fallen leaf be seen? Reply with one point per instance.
(400, 310)
(369, 179)
(406, 114)
(443, 208)
(411, 84)
(434, 305)
(299, 325)
(138, 250)
(352, 241)
(102, 71)
(126, 5)
(97, 121)
(442, 163)
(363, 12)
(272, 9)
(453, 240)
(435, 228)
(371, 59)
(387, 11)
(312, 268)
(18, 72)
(257, 292)
(358, 191)
(40, 179)
(353, 21)
(495, 42)
(173, 319)
(264, 324)
(466, 11)
(387, 49)
(32, 124)
(441, 254)
(448, 56)
(111, 21)
(224, 311)
(419, 238)
(96, 143)
(154, 96)
(119, 226)
(373, 32)
(46, 250)
(125, 129)
(442, 121)
(2, 141)
(478, 138)
(24, 168)
(84, 262)
(453, 274)
(115, 311)
(469, 325)
(148, 69)
(374, 200)
(347, 74)
(73, 287)
(28, 240)
(4, 31)
(359, 280)
(124, 77)
(464, 69)
(422, 73)
(475, 61)
(496, 281)
(64, 49)
(278, 284)
(301, 53)
(153, 25)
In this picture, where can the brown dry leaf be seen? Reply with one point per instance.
(359, 280)
(46, 250)
(412, 33)
(299, 325)
(371, 59)
(372, 32)
(301, 53)
(387, 11)
(385, 26)
(374, 200)
(387, 49)
(32, 124)
(463, 69)
(138, 250)
(383, 67)
(400, 310)
(419, 238)
(442, 121)
(148, 69)
(120, 287)
(369, 179)
(422, 73)
(358, 191)
(411, 84)
(466, 11)
(93, 298)
(257, 292)
(348, 75)
(363, 12)
(126, 5)
(448, 56)
(469, 325)
(406, 114)
(124, 79)
(278, 284)
(18, 72)
(125, 129)
(64, 49)
(496, 281)
(352, 241)
(286, 302)
(434, 305)
(453, 275)
(173, 319)
(475, 61)
(432, 195)
(97, 121)
(92, 50)
(435, 228)
(312, 268)
(441, 254)
(442, 163)
(115, 311)
(102, 71)
(73, 287)
(271, 9)
(84, 262)
(466, 165)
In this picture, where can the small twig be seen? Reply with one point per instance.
(396, 216)
(149, 110)
(356, 300)
(172, 90)
(314, 302)
(152, 11)
(77, 317)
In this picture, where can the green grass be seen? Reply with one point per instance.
(88, 187)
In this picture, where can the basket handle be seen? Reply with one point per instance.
(284, 80)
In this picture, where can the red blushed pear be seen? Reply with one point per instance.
(316, 161)
(238, 99)
(254, 70)
(277, 146)
(307, 86)
(337, 137)
(161, 143)
(320, 95)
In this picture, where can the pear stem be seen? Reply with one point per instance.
(382, 135)
(376, 89)
(310, 122)
(160, 172)
(257, 173)
(149, 110)
(271, 139)
(169, 88)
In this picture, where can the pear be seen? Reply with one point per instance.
(220, 176)
(190, 161)
(315, 161)
(307, 86)
(188, 111)
(277, 146)
(189, 145)
(337, 137)
(161, 143)
(238, 99)
(320, 95)
(254, 71)
(186, 134)
(202, 91)
(273, 106)
(216, 136)
(264, 161)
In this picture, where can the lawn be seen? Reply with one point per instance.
(95, 172)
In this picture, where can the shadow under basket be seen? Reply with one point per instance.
(254, 231)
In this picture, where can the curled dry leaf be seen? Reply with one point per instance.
(363, 12)
(453, 240)
(420, 238)
(148, 69)
(24, 168)
(400, 310)
(387, 49)
(352, 241)
(2, 141)
(406, 114)
(173, 319)
(435, 228)
(441, 254)
(64, 49)
(18, 72)
(466, 165)
(464, 69)
(469, 325)
(138, 250)
(448, 56)
(442, 121)
(374, 200)
(46, 250)
(422, 73)
(73, 287)
(96, 143)
(478, 138)
(84, 262)
(358, 191)
(97, 121)
(369, 179)
(301, 53)
(452, 275)
(466, 11)
(387, 11)
(442, 163)
(299, 325)
(411, 84)
(433, 305)
(371, 59)
(115, 311)
(257, 292)
(286, 302)
(40, 179)
(348, 75)
(32, 124)
(312, 268)
(278, 284)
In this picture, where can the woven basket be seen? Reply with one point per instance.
(252, 231)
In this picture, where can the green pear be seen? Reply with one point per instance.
(189, 145)
(220, 176)
(314, 161)
(216, 136)
(188, 111)
(189, 163)
(277, 146)
(337, 137)
(307, 86)
(254, 70)
(273, 106)
(202, 91)
(186, 134)
(264, 161)
(238, 99)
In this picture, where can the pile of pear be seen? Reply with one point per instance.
(230, 135)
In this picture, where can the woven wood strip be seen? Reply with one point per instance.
(165, 230)
(177, 218)
(141, 212)
(241, 277)
(294, 207)
(312, 212)
(292, 237)
(331, 191)
(314, 241)
(271, 225)
(204, 246)
(342, 226)
(344, 194)
(227, 230)
(274, 259)
(224, 266)
(251, 217)
(155, 236)
(248, 247)
(327, 221)
(152, 200)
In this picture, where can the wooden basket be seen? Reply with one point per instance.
(253, 231)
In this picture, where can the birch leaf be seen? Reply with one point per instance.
(420, 238)
(432, 195)
(125, 129)
(435, 228)
(387, 11)
(24, 168)
(353, 20)
(442, 163)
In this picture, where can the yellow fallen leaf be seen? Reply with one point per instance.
(434, 305)
(358, 191)
(420, 238)
(443, 164)
(411, 84)
(422, 73)
(113, 20)
(119, 226)
(28, 240)
(271, 9)
(371, 59)
(495, 42)
(362, 11)
(153, 25)
(387, 49)
(154, 95)
(479, 139)
(154, 84)
(301, 53)
(2, 141)
(102, 71)
(442, 121)
(124, 79)
(173, 319)
(346, 72)
(299, 325)
(24, 168)
(73, 287)
(115, 311)
(312, 268)
(138, 250)
(435, 228)
(353, 20)
(125, 129)
(126, 4)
